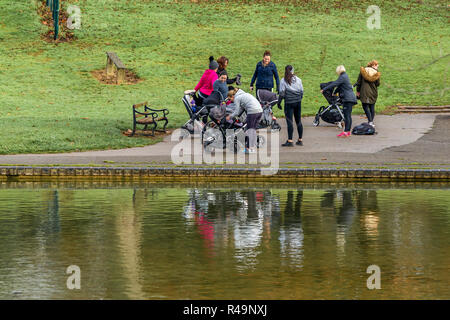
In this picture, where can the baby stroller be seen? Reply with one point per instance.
(194, 124)
(333, 113)
(268, 99)
(214, 133)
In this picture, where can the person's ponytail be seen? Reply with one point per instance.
(289, 74)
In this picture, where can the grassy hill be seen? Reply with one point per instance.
(50, 101)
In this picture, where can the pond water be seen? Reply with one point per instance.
(224, 241)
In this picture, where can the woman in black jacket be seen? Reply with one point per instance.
(348, 98)
(223, 63)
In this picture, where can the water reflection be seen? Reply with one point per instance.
(129, 232)
(349, 206)
(291, 232)
(224, 243)
(52, 226)
(244, 220)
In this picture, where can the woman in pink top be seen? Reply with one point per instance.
(205, 85)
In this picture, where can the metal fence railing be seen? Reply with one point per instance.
(54, 6)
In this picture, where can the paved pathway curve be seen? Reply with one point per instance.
(401, 139)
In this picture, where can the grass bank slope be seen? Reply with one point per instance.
(50, 102)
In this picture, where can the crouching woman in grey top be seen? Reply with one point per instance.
(291, 90)
(245, 101)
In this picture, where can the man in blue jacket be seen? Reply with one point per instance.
(264, 73)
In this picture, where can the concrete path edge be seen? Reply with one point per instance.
(13, 173)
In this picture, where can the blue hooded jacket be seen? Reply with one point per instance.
(264, 76)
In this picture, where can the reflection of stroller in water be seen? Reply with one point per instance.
(220, 203)
(333, 113)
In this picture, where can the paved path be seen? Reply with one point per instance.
(402, 139)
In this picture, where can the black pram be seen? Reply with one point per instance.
(333, 112)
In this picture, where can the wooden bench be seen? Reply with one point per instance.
(113, 60)
(149, 116)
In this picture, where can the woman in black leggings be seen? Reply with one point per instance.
(348, 98)
(291, 90)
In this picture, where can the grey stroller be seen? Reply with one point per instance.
(268, 100)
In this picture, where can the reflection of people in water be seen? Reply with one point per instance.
(346, 212)
(293, 207)
(361, 202)
(291, 231)
(367, 205)
(242, 215)
(248, 218)
(197, 210)
(344, 220)
(205, 227)
(328, 199)
(248, 229)
(367, 201)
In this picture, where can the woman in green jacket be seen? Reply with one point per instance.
(367, 89)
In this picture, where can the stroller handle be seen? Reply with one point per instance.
(189, 92)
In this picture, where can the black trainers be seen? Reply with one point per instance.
(287, 144)
(299, 143)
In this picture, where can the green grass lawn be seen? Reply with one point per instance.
(46, 90)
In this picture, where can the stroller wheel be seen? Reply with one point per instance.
(236, 145)
(207, 131)
(183, 134)
(212, 137)
(260, 141)
(208, 147)
(316, 122)
(276, 126)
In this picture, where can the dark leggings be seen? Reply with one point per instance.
(252, 124)
(295, 110)
(198, 98)
(369, 109)
(348, 106)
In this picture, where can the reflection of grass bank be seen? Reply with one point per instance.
(51, 102)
